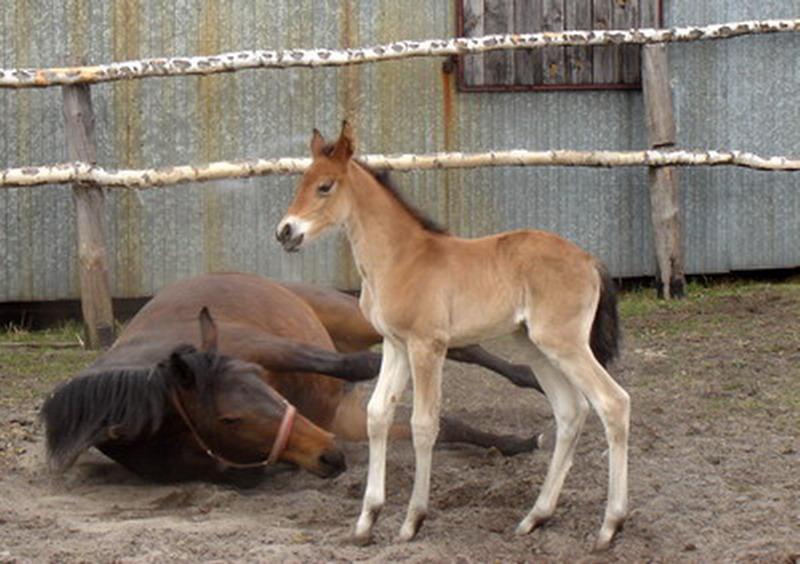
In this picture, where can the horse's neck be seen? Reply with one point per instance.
(379, 228)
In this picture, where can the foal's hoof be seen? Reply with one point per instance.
(411, 527)
(363, 533)
(530, 523)
(363, 539)
(607, 534)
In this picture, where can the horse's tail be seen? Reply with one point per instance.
(606, 336)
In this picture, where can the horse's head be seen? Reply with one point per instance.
(238, 418)
(320, 201)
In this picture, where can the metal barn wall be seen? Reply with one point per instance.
(738, 94)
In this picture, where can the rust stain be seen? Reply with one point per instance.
(77, 28)
(349, 87)
(128, 138)
(449, 134)
(448, 109)
(210, 133)
(349, 95)
(22, 49)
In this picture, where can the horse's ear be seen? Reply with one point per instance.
(345, 145)
(181, 370)
(208, 331)
(317, 143)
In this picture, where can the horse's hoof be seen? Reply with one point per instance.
(602, 544)
(411, 525)
(607, 534)
(530, 523)
(362, 540)
(363, 533)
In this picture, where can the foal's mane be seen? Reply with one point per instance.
(384, 180)
(79, 413)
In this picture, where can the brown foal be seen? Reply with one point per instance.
(425, 290)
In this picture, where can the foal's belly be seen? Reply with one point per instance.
(485, 333)
(483, 323)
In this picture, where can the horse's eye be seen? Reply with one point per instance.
(230, 420)
(325, 189)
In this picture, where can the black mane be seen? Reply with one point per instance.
(80, 412)
(384, 179)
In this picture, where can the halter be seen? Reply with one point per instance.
(277, 447)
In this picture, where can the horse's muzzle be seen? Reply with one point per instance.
(331, 463)
(291, 241)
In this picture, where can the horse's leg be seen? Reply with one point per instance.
(350, 424)
(612, 405)
(286, 355)
(518, 374)
(380, 412)
(426, 360)
(569, 409)
(454, 431)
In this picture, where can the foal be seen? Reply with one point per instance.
(425, 291)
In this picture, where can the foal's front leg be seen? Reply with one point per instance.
(392, 381)
(426, 359)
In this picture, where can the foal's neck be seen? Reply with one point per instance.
(379, 228)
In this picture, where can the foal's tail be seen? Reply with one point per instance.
(605, 337)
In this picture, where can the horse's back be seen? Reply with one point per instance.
(246, 301)
(509, 274)
(340, 314)
(249, 311)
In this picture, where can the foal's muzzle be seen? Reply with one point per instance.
(291, 241)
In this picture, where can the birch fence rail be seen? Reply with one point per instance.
(242, 60)
(143, 179)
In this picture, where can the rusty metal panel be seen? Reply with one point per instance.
(736, 94)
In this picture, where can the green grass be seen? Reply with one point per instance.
(643, 301)
(28, 373)
(67, 332)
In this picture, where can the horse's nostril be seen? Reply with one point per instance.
(334, 459)
(285, 233)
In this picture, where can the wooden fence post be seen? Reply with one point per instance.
(98, 315)
(664, 191)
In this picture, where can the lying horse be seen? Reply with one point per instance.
(171, 402)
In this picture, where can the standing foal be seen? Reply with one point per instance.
(425, 290)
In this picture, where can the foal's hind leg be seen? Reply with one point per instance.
(612, 405)
(569, 409)
(392, 380)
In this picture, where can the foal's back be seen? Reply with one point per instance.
(487, 287)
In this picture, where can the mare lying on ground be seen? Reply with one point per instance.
(172, 401)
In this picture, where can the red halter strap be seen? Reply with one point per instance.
(277, 447)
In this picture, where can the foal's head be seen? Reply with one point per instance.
(320, 201)
(238, 418)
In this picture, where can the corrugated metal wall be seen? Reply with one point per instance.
(738, 94)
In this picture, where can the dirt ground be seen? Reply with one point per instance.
(714, 464)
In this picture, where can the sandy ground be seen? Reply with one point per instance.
(714, 467)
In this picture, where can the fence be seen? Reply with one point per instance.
(86, 176)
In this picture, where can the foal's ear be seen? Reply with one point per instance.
(317, 143)
(181, 370)
(208, 331)
(345, 145)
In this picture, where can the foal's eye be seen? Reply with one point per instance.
(230, 420)
(325, 189)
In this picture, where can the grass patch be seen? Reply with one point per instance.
(67, 332)
(28, 374)
(642, 302)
